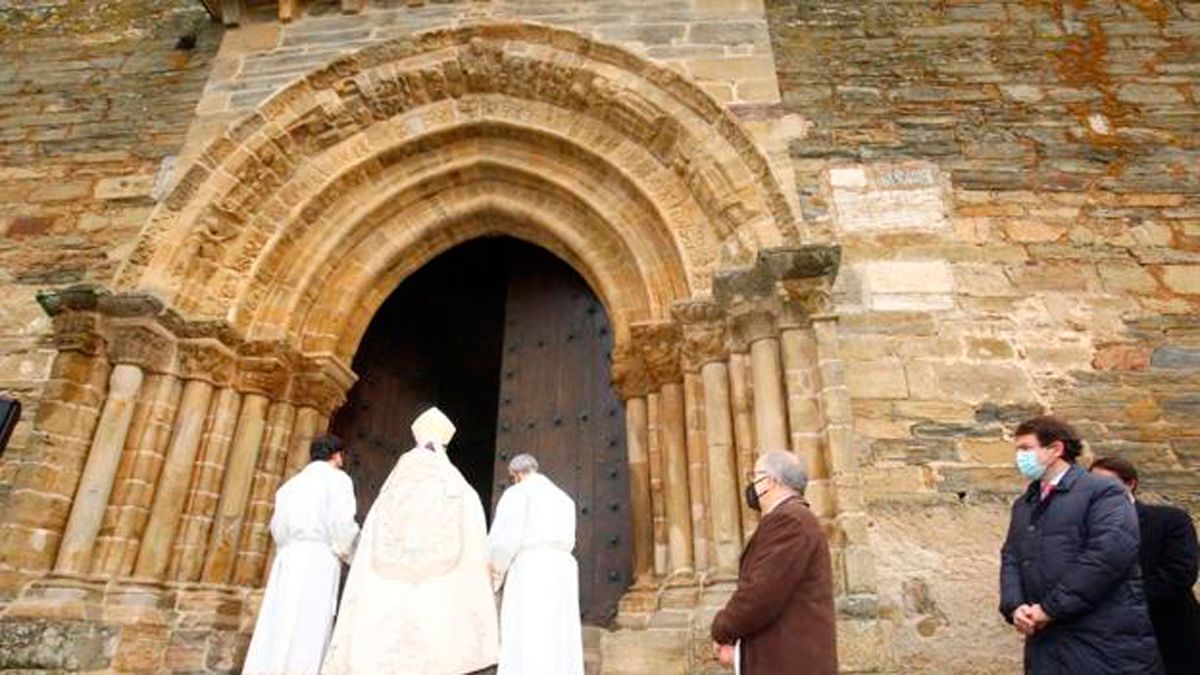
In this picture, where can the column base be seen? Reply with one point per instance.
(666, 629)
(72, 623)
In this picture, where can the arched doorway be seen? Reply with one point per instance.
(516, 348)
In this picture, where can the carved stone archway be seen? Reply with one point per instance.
(182, 397)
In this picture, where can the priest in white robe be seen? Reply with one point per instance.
(314, 530)
(419, 598)
(532, 537)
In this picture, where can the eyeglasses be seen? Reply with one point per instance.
(755, 477)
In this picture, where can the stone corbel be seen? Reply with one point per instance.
(705, 335)
(659, 343)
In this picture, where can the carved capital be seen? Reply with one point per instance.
(145, 344)
(659, 343)
(79, 332)
(705, 336)
(804, 300)
(753, 322)
(322, 383)
(266, 369)
(631, 377)
(207, 360)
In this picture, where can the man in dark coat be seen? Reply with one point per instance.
(780, 619)
(1069, 575)
(1169, 558)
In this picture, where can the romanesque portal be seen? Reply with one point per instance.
(183, 395)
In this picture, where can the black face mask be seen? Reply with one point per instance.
(752, 497)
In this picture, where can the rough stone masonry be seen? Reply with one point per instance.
(1014, 187)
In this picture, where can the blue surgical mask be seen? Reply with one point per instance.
(1028, 464)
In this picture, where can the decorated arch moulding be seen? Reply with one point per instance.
(343, 183)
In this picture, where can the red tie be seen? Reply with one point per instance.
(1046, 490)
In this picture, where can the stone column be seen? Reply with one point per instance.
(204, 365)
(675, 479)
(802, 380)
(95, 485)
(235, 490)
(697, 463)
(742, 401)
(654, 456)
(309, 424)
(631, 381)
(705, 349)
(660, 349)
(129, 504)
(255, 536)
(188, 550)
(757, 326)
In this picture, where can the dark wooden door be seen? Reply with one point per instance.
(512, 344)
(557, 402)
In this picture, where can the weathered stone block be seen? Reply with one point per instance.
(51, 645)
(125, 187)
(876, 379)
(1176, 357)
(627, 652)
(1182, 278)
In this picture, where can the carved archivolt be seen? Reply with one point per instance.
(694, 163)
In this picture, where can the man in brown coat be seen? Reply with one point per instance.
(780, 618)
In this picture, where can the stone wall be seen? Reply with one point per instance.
(95, 98)
(1016, 188)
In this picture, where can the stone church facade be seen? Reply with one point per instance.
(877, 234)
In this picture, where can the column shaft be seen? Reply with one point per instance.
(172, 490)
(255, 535)
(724, 494)
(636, 432)
(187, 552)
(742, 394)
(145, 447)
(657, 500)
(309, 424)
(95, 485)
(770, 407)
(235, 492)
(693, 396)
(675, 479)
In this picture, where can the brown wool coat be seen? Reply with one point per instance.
(782, 610)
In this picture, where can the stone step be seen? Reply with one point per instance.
(592, 656)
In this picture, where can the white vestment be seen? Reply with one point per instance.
(419, 597)
(532, 537)
(313, 526)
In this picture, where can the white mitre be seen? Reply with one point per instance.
(433, 427)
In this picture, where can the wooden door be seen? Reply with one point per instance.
(557, 402)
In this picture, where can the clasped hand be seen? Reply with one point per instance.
(1029, 619)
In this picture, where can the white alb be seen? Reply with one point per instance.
(532, 537)
(313, 528)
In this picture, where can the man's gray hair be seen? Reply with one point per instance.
(785, 468)
(523, 464)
